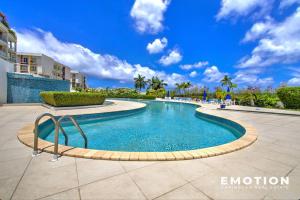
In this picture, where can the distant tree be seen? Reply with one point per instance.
(155, 83)
(140, 82)
(178, 87)
(226, 81)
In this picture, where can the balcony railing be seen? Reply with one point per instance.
(3, 54)
(3, 39)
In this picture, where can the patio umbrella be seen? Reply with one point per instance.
(228, 96)
(204, 95)
(168, 93)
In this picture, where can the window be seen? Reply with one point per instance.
(32, 68)
(24, 60)
(24, 69)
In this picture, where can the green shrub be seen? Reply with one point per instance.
(160, 93)
(246, 99)
(290, 97)
(121, 93)
(266, 100)
(60, 99)
(135, 96)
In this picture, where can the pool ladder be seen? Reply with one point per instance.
(57, 124)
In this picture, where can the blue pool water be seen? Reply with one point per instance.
(161, 126)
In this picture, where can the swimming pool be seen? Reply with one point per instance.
(159, 127)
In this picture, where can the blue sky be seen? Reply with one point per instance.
(255, 42)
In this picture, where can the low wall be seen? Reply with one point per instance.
(23, 88)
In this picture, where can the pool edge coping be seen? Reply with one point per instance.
(26, 136)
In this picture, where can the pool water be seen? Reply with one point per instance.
(161, 126)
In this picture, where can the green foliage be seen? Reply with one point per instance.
(220, 94)
(290, 97)
(266, 100)
(139, 82)
(155, 83)
(79, 89)
(60, 99)
(246, 99)
(12, 32)
(159, 93)
(122, 93)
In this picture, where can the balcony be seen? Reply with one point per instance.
(3, 39)
(11, 49)
(3, 54)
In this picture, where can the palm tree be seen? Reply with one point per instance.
(226, 81)
(161, 84)
(139, 82)
(186, 85)
(155, 83)
(178, 87)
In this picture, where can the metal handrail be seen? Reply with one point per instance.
(76, 125)
(36, 133)
(58, 126)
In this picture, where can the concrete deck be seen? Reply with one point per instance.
(275, 153)
(262, 110)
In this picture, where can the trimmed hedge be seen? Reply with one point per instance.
(135, 96)
(290, 97)
(60, 99)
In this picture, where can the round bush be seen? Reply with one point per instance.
(290, 97)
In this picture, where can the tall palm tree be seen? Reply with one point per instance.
(226, 81)
(140, 82)
(178, 87)
(161, 84)
(155, 83)
(185, 85)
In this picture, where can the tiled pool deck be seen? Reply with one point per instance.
(275, 153)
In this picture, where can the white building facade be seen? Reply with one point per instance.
(41, 65)
(78, 80)
(8, 48)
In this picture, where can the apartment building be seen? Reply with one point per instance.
(41, 65)
(78, 80)
(8, 41)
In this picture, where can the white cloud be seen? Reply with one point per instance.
(212, 74)
(279, 44)
(231, 8)
(286, 3)
(197, 65)
(294, 81)
(193, 74)
(250, 77)
(149, 15)
(83, 59)
(173, 57)
(157, 45)
(258, 30)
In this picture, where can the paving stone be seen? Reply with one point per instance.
(41, 183)
(156, 180)
(92, 170)
(7, 187)
(118, 187)
(67, 195)
(13, 168)
(183, 193)
(132, 165)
